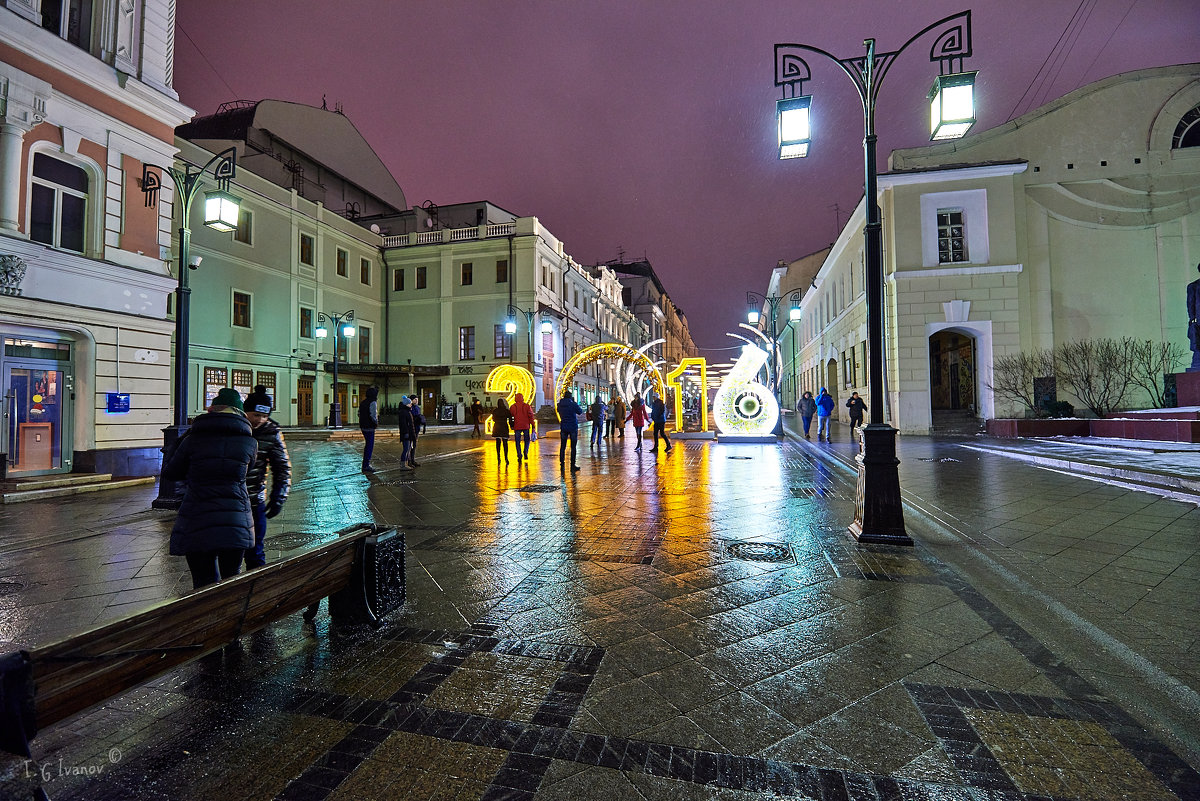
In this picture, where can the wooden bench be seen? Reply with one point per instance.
(359, 572)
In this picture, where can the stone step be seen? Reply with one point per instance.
(56, 480)
(1179, 413)
(74, 488)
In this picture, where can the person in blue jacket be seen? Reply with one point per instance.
(658, 419)
(825, 406)
(568, 415)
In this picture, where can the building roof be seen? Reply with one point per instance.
(326, 137)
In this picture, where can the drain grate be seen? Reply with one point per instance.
(10, 587)
(760, 551)
(539, 488)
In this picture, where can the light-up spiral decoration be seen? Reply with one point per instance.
(608, 350)
(743, 405)
(510, 379)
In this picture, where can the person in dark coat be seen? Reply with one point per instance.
(476, 416)
(568, 430)
(406, 425)
(658, 418)
(273, 455)
(418, 428)
(856, 407)
(368, 421)
(214, 526)
(501, 427)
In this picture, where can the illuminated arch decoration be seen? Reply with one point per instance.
(628, 387)
(743, 405)
(509, 379)
(608, 350)
(674, 380)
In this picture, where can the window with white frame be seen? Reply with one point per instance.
(241, 309)
(244, 232)
(951, 236)
(343, 263)
(58, 203)
(466, 342)
(364, 271)
(502, 343)
(308, 250)
(70, 20)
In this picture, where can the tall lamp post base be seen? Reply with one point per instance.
(170, 493)
(878, 514)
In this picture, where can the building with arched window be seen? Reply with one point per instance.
(1079, 220)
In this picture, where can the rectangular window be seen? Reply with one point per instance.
(952, 236)
(244, 232)
(308, 248)
(70, 20)
(58, 203)
(242, 381)
(306, 323)
(466, 343)
(863, 361)
(364, 345)
(343, 348)
(267, 380)
(241, 309)
(398, 280)
(502, 271)
(364, 271)
(502, 343)
(214, 382)
(421, 277)
(467, 270)
(343, 261)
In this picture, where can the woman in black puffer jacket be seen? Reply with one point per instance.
(214, 527)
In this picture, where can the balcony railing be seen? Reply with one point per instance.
(488, 231)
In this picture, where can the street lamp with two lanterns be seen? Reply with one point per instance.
(342, 322)
(754, 301)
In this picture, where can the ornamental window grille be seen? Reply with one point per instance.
(952, 236)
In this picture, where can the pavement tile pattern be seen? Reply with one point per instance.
(695, 625)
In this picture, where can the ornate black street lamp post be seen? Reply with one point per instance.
(221, 211)
(756, 301)
(347, 331)
(878, 515)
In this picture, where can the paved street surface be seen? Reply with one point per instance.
(692, 625)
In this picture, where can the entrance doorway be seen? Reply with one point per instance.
(952, 360)
(34, 418)
(831, 381)
(304, 401)
(427, 391)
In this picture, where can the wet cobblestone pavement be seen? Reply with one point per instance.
(692, 625)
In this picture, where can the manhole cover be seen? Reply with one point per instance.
(760, 551)
(10, 587)
(539, 488)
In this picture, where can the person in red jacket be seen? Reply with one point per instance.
(639, 415)
(523, 423)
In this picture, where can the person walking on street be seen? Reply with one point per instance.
(637, 413)
(368, 421)
(806, 407)
(658, 416)
(418, 428)
(476, 416)
(273, 455)
(406, 426)
(523, 422)
(598, 414)
(214, 526)
(568, 416)
(856, 407)
(618, 417)
(501, 420)
(824, 412)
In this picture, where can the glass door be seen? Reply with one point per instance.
(33, 418)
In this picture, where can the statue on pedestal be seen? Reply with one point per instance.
(1193, 310)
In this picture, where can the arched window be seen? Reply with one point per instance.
(1187, 132)
(58, 203)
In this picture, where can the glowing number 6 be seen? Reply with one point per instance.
(743, 405)
(511, 379)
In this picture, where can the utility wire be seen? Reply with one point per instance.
(1066, 55)
(1049, 55)
(232, 94)
(1109, 39)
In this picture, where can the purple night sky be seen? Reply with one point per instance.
(647, 126)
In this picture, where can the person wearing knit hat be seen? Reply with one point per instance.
(406, 425)
(214, 525)
(273, 455)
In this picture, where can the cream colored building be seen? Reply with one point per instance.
(85, 102)
(1078, 220)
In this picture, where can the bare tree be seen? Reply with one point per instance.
(1013, 375)
(1098, 372)
(1151, 360)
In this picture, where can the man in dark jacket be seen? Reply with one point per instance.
(658, 418)
(272, 453)
(406, 426)
(476, 416)
(419, 427)
(568, 430)
(368, 421)
(856, 407)
(214, 526)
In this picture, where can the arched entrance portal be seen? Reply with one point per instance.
(595, 353)
(831, 381)
(953, 384)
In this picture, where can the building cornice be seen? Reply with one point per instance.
(970, 172)
(951, 272)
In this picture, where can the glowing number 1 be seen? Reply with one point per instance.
(675, 381)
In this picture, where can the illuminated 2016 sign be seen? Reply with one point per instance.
(743, 405)
(511, 380)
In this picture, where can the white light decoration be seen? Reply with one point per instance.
(608, 350)
(951, 105)
(743, 405)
